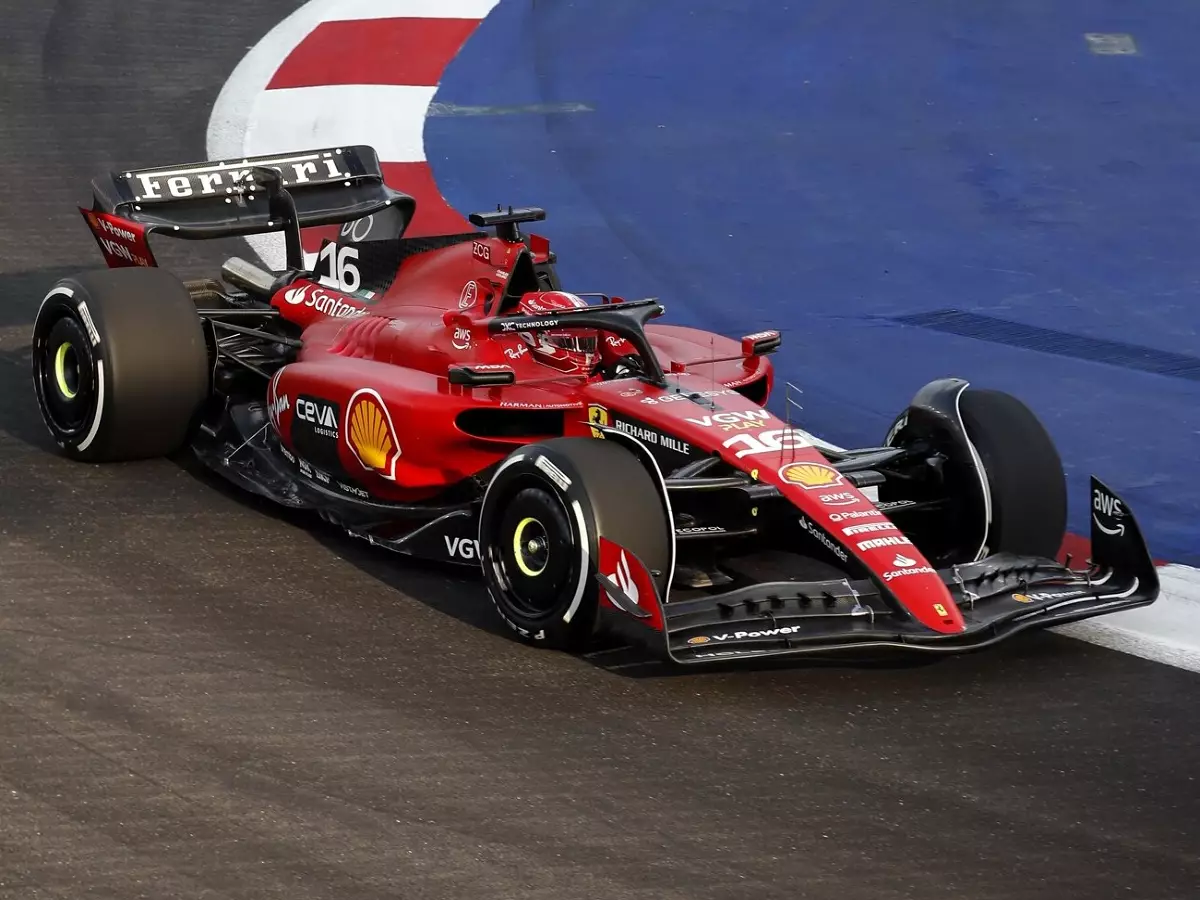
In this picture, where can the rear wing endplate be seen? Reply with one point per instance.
(231, 198)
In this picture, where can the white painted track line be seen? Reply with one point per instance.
(388, 117)
(1166, 631)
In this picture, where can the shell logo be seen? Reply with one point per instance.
(699, 639)
(810, 475)
(1022, 598)
(370, 433)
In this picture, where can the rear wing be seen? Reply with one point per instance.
(238, 197)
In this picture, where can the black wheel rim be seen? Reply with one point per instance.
(64, 369)
(536, 550)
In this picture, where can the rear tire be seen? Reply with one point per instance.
(120, 364)
(539, 531)
(1025, 474)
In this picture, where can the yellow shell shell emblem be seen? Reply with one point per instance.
(1022, 598)
(371, 435)
(810, 475)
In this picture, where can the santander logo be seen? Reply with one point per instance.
(906, 566)
(322, 301)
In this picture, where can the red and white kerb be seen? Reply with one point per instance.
(339, 72)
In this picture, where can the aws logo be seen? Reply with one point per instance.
(370, 433)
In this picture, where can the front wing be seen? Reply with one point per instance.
(999, 596)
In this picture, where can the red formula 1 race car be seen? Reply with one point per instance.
(443, 397)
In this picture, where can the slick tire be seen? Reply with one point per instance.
(539, 531)
(1024, 471)
(120, 364)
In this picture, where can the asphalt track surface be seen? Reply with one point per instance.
(201, 698)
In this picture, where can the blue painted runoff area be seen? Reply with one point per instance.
(906, 190)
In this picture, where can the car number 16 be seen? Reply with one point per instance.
(342, 273)
(768, 442)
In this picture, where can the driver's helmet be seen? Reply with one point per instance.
(573, 351)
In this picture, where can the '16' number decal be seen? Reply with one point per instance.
(768, 442)
(342, 272)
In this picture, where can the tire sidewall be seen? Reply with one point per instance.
(148, 358)
(607, 492)
(1025, 477)
(572, 620)
(69, 300)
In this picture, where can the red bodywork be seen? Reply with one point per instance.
(397, 427)
(122, 242)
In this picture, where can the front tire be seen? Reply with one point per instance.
(540, 524)
(1025, 474)
(120, 364)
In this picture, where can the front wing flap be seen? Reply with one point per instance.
(999, 596)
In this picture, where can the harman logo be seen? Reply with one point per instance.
(810, 475)
(370, 433)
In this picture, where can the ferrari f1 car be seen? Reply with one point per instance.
(444, 398)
